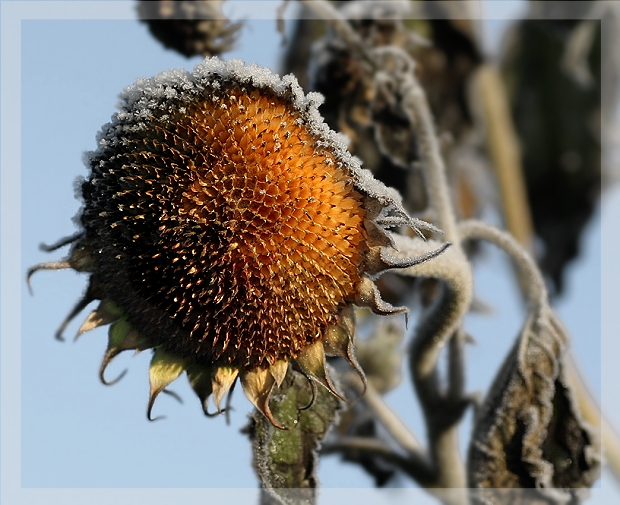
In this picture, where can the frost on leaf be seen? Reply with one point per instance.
(529, 433)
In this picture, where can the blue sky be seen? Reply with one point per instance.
(77, 433)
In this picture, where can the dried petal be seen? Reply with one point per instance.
(223, 379)
(257, 386)
(106, 313)
(312, 363)
(278, 371)
(165, 368)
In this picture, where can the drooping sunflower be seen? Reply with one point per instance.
(227, 228)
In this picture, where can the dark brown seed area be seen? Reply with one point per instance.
(222, 229)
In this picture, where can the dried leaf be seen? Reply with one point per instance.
(557, 120)
(529, 432)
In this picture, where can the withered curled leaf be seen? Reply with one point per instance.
(529, 433)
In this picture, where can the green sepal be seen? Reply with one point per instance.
(121, 337)
(201, 380)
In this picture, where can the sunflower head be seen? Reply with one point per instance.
(228, 229)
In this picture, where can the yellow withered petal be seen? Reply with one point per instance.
(278, 371)
(257, 386)
(223, 379)
(107, 312)
(165, 368)
(312, 363)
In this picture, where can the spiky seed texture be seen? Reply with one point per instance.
(226, 227)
